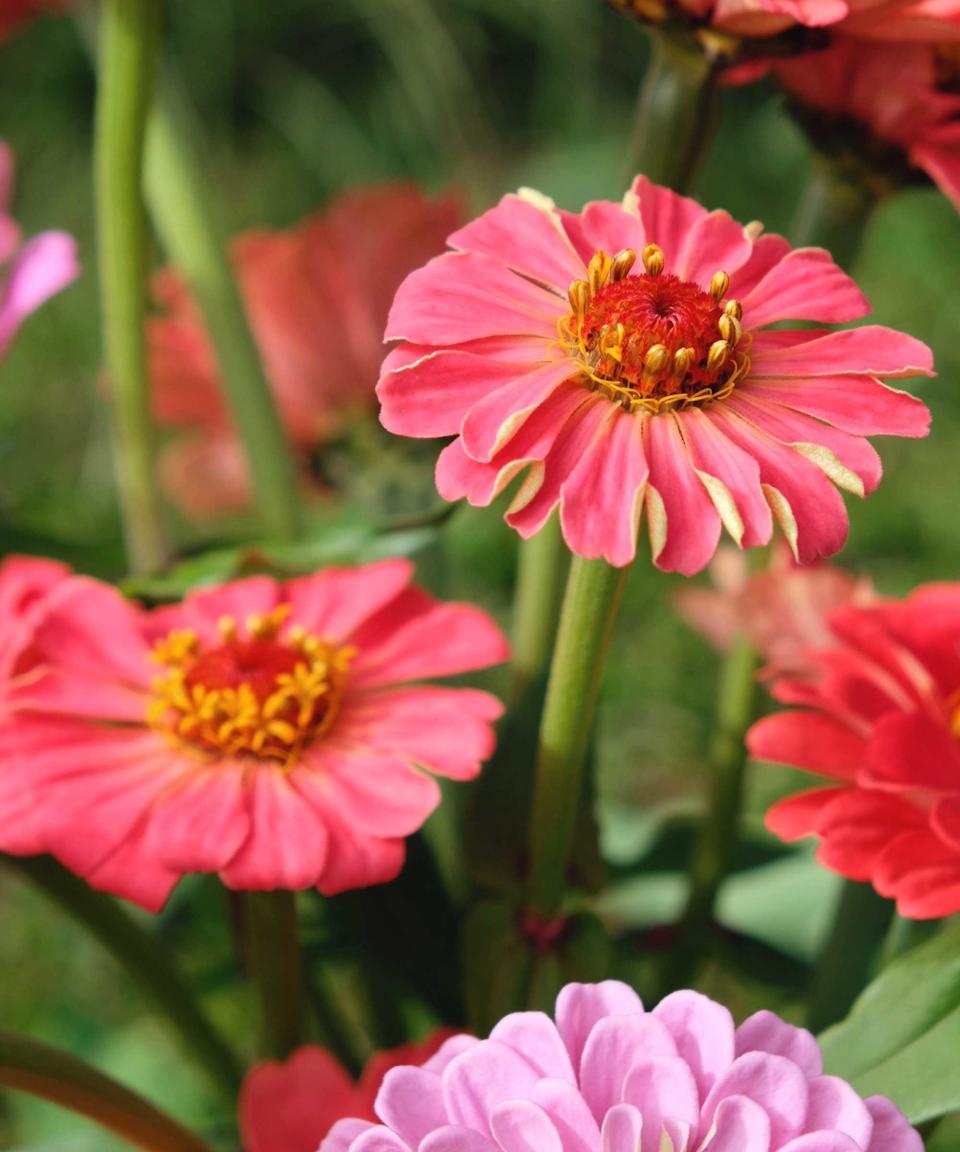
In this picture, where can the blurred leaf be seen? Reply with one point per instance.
(903, 1035)
(498, 963)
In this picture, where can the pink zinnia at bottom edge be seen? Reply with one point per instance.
(291, 1106)
(607, 1076)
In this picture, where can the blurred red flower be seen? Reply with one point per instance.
(317, 295)
(13, 13)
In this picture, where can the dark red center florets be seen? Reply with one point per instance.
(256, 663)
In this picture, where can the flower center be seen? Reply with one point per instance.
(257, 694)
(653, 341)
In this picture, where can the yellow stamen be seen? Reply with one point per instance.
(719, 285)
(653, 259)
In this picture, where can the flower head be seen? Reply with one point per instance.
(290, 1107)
(265, 731)
(609, 1077)
(36, 269)
(878, 714)
(317, 296)
(623, 359)
(887, 111)
(782, 611)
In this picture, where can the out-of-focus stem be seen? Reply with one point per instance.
(833, 213)
(187, 223)
(541, 566)
(590, 604)
(43, 1071)
(273, 943)
(129, 37)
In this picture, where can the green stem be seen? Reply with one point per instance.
(144, 958)
(861, 922)
(833, 213)
(727, 759)
(677, 112)
(273, 944)
(42, 1071)
(540, 569)
(590, 604)
(188, 226)
(129, 35)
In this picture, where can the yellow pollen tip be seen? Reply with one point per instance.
(717, 356)
(653, 259)
(227, 627)
(682, 360)
(598, 271)
(622, 263)
(730, 329)
(656, 359)
(719, 285)
(733, 308)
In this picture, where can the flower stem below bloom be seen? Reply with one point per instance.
(590, 604)
(833, 213)
(129, 36)
(272, 933)
(676, 115)
(42, 1071)
(536, 607)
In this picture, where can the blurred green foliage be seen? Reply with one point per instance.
(299, 99)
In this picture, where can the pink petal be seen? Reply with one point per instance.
(684, 524)
(740, 1125)
(869, 350)
(126, 871)
(535, 1037)
(202, 822)
(660, 1088)
(945, 820)
(602, 498)
(768, 250)
(378, 1139)
(358, 861)
(456, 1139)
(336, 601)
(525, 235)
(910, 751)
(775, 1083)
(43, 267)
(805, 285)
(581, 1006)
(479, 1079)
(857, 404)
(340, 1138)
(822, 1142)
(614, 1046)
(602, 226)
(857, 829)
(411, 1103)
(461, 296)
(667, 219)
(622, 1129)
(497, 417)
(891, 1131)
(716, 242)
(766, 1032)
(287, 844)
(521, 1126)
(799, 816)
(569, 1113)
(703, 1032)
(808, 740)
(834, 1104)
(203, 609)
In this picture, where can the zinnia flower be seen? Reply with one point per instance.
(886, 110)
(36, 269)
(654, 386)
(13, 13)
(782, 611)
(291, 1106)
(610, 1077)
(317, 296)
(269, 732)
(879, 715)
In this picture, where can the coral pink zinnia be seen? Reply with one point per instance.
(318, 297)
(290, 1107)
(610, 1077)
(878, 713)
(268, 732)
(654, 386)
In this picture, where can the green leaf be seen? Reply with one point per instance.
(902, 1037)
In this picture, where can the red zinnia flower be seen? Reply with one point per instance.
(888, 103)
(317, 297)
(264, 731)
(880, 715)
(290, 1107)
(653, 385)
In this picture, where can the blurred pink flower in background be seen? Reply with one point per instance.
(32, 270)
(609, 1076)
(623, 359)
(782, 610)
(277, 734)
(13, 13)
(291, 1106)
(318, 295)
(878, 713)
(895, 96)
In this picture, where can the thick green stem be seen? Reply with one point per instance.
(676, 115)
(273, 952)
(833, 213)
(145, 959)
(590, 604)
(188, 226)
(726, 762)
(42, 1071)
(861, 922)
(129, 35)
(541, 564)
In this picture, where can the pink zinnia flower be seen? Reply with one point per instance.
(317, 296)
(878, 713)
(888, 103)
(782, 611)
(655, 386)
(36, 269)
(268, 732)
(291, 1106)
(610, 1077)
